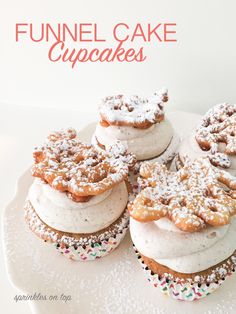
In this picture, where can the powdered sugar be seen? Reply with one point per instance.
(70, 166)
(115, 282)
(218, 126)
(134, 110)
(51, 235)
(191, 197)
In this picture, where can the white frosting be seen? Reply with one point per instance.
(62, 213)
(189, 147)
(144, 143)
(170, 152)
(181, 251)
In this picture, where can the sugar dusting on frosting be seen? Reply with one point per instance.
(51, 235)
(94, 285)
(215, 274)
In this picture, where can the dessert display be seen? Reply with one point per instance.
(183, 227)
(139, 124)
(78, 199)
(215, 137)
(182, 223)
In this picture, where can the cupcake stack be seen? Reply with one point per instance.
(139, 124)
(78, 199)
(183, 227)
(182, 222)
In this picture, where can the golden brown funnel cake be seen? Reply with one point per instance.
(78, 169)
(133, 111)
(191, 198)
(218, 126)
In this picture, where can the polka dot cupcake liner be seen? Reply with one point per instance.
(92, 251)
(183, 291)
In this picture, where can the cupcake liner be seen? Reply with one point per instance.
(184, 291)
(88, 248)
(90, 252)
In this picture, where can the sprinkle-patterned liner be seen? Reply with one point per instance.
(91, 251)
(82, 249)
(183, 291)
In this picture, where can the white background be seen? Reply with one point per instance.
(199, 71)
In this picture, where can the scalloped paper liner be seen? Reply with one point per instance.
(93, 251)
(178, 290)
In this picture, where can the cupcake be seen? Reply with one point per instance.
(183, 227)
(139, 124)
(214, 137)
(78, 200)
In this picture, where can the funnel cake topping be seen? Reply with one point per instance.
(78, 169)
(217, 134)
(133, 111)
(197, 195)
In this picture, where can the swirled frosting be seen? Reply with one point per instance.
(143, 143)
(181, 251)
(61, 213)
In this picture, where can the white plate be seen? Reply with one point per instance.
(113, 284)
